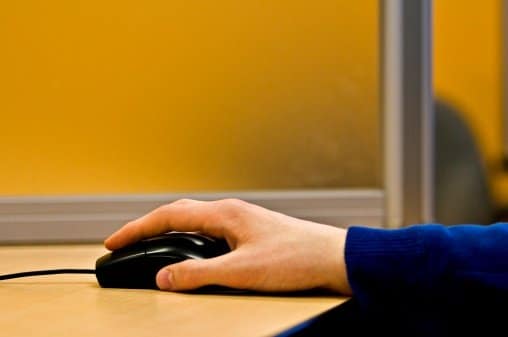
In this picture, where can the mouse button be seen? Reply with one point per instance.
(122, 255)
(161, 250)
(115, 270)
(189, 237)
(137, 275)
(205, 245)
(126, 255)
(174, 252)
(159, 261)
(183, 243)
(172, 243)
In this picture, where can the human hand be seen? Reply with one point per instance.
(270, 251)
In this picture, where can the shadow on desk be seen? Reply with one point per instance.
(348, 319)
(344, 320)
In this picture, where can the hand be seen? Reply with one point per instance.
(270, 251)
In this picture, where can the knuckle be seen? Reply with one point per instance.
(182, 202)
(233, 204)
(231, 207)
(230, 212)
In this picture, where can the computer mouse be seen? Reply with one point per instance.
(136, 265)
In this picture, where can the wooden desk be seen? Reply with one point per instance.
(74, 305)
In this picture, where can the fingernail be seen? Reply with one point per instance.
(107, 243)
(163, 279)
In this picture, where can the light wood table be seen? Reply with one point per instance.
(75, 305)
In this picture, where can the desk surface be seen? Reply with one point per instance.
(74, 305)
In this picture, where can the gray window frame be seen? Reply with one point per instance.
(504, 84)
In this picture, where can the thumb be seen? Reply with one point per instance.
(191, 274)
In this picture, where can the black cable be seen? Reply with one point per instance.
(47, 272)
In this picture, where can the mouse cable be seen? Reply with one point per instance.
(47, 272)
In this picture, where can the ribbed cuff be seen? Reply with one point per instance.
(384, 263)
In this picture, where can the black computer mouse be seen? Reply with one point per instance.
(136, 265)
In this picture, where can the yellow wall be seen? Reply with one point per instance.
(468, 74)
(156, 96)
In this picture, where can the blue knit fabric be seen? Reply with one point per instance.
(429, 273)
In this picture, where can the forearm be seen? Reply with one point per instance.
(427, 262)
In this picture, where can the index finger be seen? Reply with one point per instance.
(183, 215)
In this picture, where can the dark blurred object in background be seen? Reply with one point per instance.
(462, 189)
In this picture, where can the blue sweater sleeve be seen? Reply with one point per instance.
(426, 263)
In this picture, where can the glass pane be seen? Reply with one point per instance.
(158, 96)
(469, 85)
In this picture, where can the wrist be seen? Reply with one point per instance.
(337, 273)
